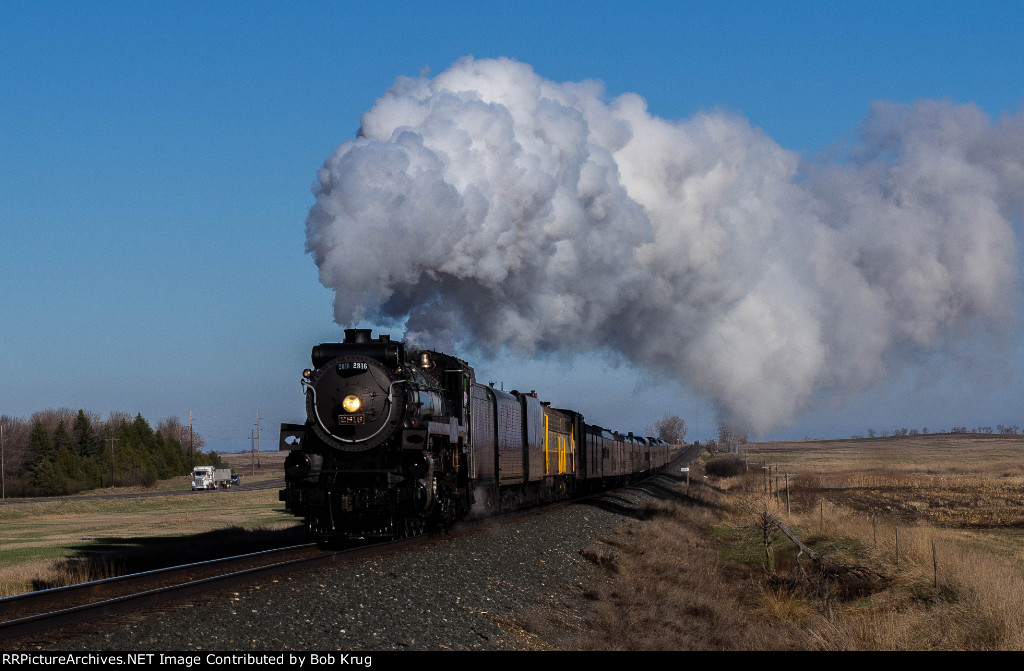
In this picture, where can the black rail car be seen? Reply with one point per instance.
(396, 441)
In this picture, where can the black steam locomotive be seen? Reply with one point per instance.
(398, 441)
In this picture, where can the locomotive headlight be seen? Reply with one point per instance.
(351, 403)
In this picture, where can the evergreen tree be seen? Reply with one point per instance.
(69, 468)
(85, 442)
(143, 433)
(61, 438)
(46, 477)
(40, 447)
(47, 480)
(176, 461)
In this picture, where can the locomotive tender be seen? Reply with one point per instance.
(397, 441)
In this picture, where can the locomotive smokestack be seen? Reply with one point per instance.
(357, 336)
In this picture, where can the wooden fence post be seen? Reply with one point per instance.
(787, 495)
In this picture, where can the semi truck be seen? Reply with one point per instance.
(210, 477)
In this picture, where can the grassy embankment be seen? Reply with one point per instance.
(62, 540)
(697, 572)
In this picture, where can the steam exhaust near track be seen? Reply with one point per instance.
(492, 207)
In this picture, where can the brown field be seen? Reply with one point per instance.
(921, 542)
(948, 480)
(271, 464)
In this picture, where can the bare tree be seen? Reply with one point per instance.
(52, 417)
(173, 428)
(730, 438)
(16, 432)
(724, 437)
(671, 429)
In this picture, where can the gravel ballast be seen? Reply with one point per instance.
(517, 586)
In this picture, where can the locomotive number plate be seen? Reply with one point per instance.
(352, 368)
(352, 419)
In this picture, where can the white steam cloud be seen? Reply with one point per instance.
(496, 208)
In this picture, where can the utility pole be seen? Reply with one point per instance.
(252, 452)
(191, 458)
(112, 441)
(258, 464)
(3, 482)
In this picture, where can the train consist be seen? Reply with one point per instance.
(398, 441)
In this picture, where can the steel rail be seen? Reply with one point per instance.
(73, 604)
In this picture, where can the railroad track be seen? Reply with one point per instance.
(26, 615)
(46, 610)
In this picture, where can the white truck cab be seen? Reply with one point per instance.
(210, 477)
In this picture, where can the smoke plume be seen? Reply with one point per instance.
(492, 207)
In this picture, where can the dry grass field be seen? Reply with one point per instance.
(271, 464)
(48, 542)
(948, 480)
(920, 542)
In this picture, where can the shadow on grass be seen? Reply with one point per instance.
(112, 556)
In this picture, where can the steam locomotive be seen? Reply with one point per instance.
(398, 441)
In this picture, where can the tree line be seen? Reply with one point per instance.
(1002, 429)
(61, 451)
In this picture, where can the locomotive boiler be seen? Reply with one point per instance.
(383, 451)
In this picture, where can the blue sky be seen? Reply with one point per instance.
(156, 160)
